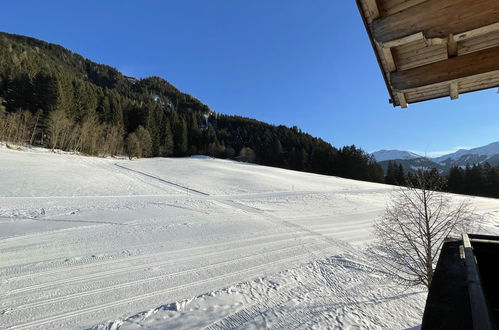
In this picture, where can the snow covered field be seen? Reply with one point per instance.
(191, 243)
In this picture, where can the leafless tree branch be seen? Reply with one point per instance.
(413, 228)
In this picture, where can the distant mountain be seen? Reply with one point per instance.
(414, 164)
(471, 156)
(411, 161)
(383, 155)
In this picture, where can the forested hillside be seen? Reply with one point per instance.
(53, 97)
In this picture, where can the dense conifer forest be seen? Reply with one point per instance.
(52, 97)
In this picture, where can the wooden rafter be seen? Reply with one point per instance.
(454, 90)
(372, 6)
(451, 46)
(388, 57)
(448, 70)
(402, 100)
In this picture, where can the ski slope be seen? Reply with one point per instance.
(190, 243)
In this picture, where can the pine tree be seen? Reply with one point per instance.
(390, 173)
(400, 175)
(168, 142)
(455, 180)
(180, 137)
(45, 92)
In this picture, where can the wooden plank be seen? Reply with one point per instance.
(437, 19)
(479, 85)
(391, 7)
(481, 240)
(413, 38)
(405, 40)
(426, 54)
(488, 80)
(475, 44)
(477, 32)
(480, 82)
(426, 93)
(478, 303)
(408, 57)
(447, 70)
(454, 90)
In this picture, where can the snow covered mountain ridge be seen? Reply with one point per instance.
(460, 158)
(487, 151)
(383, 155)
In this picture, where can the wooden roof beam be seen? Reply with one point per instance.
(402, 101)
(451, 46)
(447, 70)
(388, 57)
(437, 19)
(454, 90)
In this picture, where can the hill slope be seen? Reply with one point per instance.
(191, 242)
(59, 99)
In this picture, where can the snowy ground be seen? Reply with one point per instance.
(191, 243)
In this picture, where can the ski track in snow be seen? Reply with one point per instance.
(192, 243)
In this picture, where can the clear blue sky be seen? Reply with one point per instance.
(303, 63)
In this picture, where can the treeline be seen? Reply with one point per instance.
(52, 97)
(476, 179)
(57, 131)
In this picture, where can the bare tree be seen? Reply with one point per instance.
(133, 147)
(34, 131)
(145, 141)
(3, 119)
(412, 230)
(112, 141)
(59, 128)
(247, 155)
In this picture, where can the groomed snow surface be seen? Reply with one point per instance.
(192, 243)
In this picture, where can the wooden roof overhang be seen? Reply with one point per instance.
(429, 49)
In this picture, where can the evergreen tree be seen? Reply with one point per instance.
(180, 137)
(455, 180)
(390, 177)
(400, 175)
(45, 92)
(168, 142)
